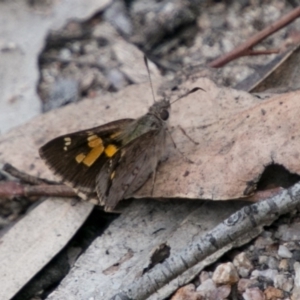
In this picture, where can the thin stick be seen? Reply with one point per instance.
(11, 189)
(242, 49)
(8, 168)
(262, 52)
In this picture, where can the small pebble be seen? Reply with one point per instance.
(222, 292)
(204, 276)
(243, 264)
(90, 47)
(296, 294)
(297, 274)
(225, 274)
(187, 292)
(292, 246)
(289, 233)
(272, 293)
(296, 289)
(65, 54)
(262, 242)
(283, 282)
(284, 264)
(272, 249)
(268, 274)
(262, 259)
(75, 47)
(253, 294)
(284, 252)
(272, 262)
(117, 79)
(62, 92)
(243, 284)
(244, 273)
(241, 260)
(207, 288)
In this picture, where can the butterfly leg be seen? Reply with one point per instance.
(175, 147)
(184, 132)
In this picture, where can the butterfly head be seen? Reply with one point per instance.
(161, 110)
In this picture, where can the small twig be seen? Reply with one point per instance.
(242, 49)
(262, 52)
(8, 168)
(10, 189)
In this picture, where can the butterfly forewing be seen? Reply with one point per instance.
(113, 160)
(78, 157)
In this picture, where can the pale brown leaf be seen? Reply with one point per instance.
(28, 246)
(238, 135)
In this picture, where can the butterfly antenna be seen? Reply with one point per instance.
(187, 93)
(148, 70)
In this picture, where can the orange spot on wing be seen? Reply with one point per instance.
(94, 141)
(80, 157)
(93, 155)
(96, 144)
(110, 150)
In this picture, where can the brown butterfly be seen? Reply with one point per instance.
(112, 160)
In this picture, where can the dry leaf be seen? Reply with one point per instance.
(285, 75)
(28, 246)
(238, 135)
(280, 75)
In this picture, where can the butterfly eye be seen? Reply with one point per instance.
(164, 115)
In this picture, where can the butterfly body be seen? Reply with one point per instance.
(113, 160)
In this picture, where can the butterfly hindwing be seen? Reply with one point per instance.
(128, 170)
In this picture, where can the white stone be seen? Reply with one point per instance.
(269, 274)
(241, 260)
(284, 252)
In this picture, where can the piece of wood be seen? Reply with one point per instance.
(246, 222)
(123, 252)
